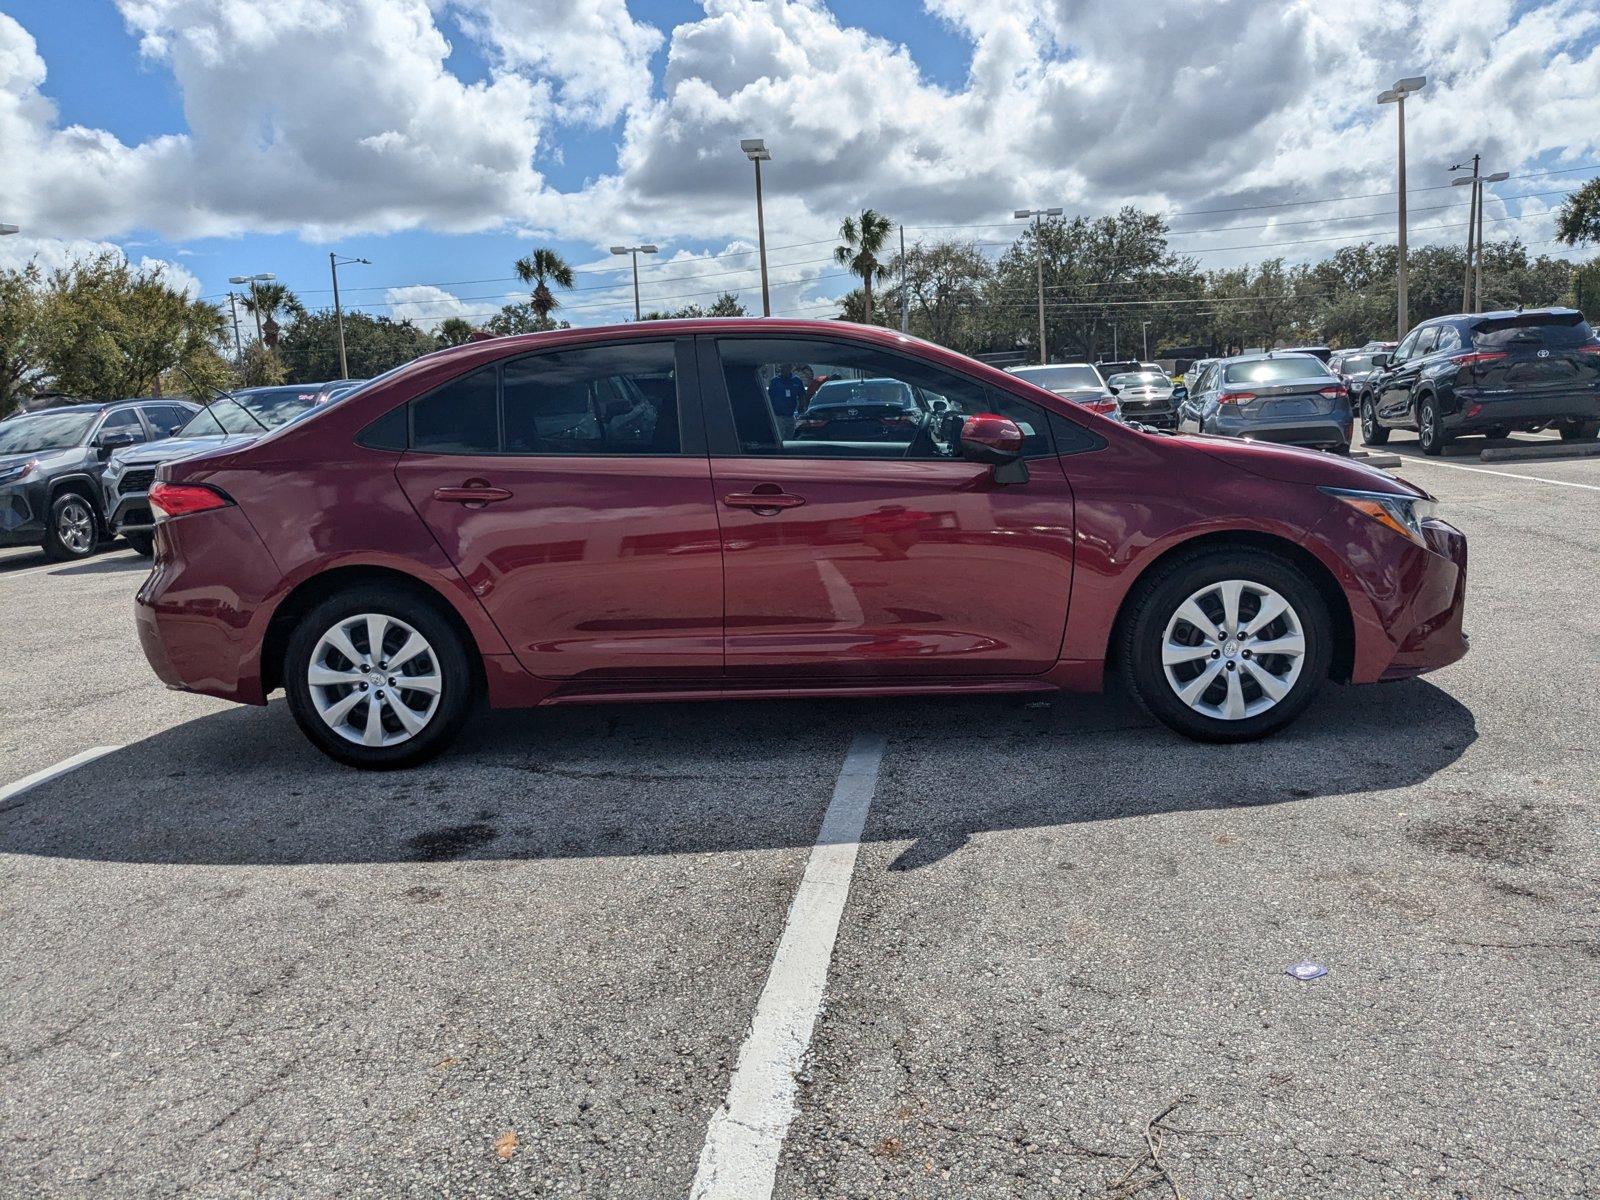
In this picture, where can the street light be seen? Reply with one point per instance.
(8, 229)
(1397, 97)
(1038, 215)
(334, 263)
(252, 280)
(1472, 218)
(635, 251)
(756, 151)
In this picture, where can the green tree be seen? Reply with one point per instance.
(23, 336)
(943, 291)
(725, 305)
(261, 366)
(454, 331)
(113, 330)
(864, 238)
(521, 318)
(266, 301)
(1579, 221)
(310, 346)
(541, 269)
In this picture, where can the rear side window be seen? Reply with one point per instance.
(601, 400)
(1275, 370)
(462, 417)
(167, 418)
(1551, 331)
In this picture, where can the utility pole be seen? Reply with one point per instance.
(905, 310)
(1038, 215)
(1470, 181)
(1397, 97)
(1144, 330)
(334, 263)
(756, 151)
(238, 346)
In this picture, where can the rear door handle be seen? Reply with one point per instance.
(474, 494)
(773, 500)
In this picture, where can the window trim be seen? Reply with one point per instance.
(722, 435)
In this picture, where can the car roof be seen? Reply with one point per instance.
(1271, 354)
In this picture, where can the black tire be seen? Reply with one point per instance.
(1497, 433)
(143, 543)
(73, 529)
(1372, 434)
(458, 691)
(1143, 629)
(1431, 434)
(1580, 431)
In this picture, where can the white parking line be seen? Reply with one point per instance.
(739, 1160)
(1508, 474)
(12, 790)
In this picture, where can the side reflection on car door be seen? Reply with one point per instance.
(878, 552)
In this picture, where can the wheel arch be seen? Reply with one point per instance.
(82, 485)
(1342, 664)
(310, 592)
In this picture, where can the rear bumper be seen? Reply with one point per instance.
(1300, 431)
(1484, 409)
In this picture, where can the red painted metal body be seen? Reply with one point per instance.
(584, 579)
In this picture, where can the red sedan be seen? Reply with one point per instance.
(628, 514)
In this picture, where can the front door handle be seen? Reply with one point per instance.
(474, 494)
(764, 501)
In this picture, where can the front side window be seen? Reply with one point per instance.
(1407, 347)
(817, 399)
(594, 400)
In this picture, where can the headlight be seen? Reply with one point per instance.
(18, 472)
(1403, 514)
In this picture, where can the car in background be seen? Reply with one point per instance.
(51, 463)
(1118, 366)
(864, 410)
(1276, 397)
(436, 540)
(1487, 373)
(1077, 382)
(1157, 367)
(1353, 367)
(231, 419)
(1145, 397)
(1320, 353)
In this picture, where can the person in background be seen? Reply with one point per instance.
(785, 392)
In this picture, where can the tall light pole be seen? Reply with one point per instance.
(905, 302)
(756, 151)
(635, 251)
(1038, 215)
(334, 263)
(252, 280)
(1144, 330)
(6, 230)
(1397, 97)
(1477, 285)
(1472, 221)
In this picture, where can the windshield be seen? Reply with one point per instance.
(1077, 377)
(1141, 379)
(1357, 362)
(1276, 370)
(44, 431)
(249, 412)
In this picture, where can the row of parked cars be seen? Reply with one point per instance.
(75, 475)
(1470, 373)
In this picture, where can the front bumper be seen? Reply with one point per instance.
(23, 507)
(131, 514)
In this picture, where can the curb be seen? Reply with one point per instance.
(1561, 450)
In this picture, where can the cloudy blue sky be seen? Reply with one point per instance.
(444, 138)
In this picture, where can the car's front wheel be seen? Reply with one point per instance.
(378, 678)
(1372, 433)
(1227, 646)
(73, 529)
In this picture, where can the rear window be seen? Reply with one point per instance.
(1555, 331)
(1070, 377)
(1275, 370)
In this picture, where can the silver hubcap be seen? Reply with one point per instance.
(76, 527)
(374, 680)
(1233, 650)
(1427, 424)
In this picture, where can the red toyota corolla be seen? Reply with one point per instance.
(645, 513)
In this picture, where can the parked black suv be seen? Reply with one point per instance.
(51, 463)
(1487, 373)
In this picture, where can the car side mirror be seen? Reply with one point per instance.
(1180, 394)
(1115, 391)
(109, 441)
(996, 440)
(1380, 361)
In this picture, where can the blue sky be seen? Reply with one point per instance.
(949, 113)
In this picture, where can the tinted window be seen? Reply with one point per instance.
(166, 418)
(818, 399)
(1547, 330)
(600, 400)
(1449, 339)
(1070, 378)
(124, 421)
(461, 417)
(1408, 346)
(1428, 339)
(1276, 370)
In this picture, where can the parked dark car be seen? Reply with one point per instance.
(865, 410)
(234, 419)
(1079, 382)
(1321, 353)
(1487, 373)
(1118, 366)
(1277, 397)
(51, 464)
(438, 538)
(1145, 397)
(1354, 367)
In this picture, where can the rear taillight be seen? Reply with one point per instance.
(897, 419)
(1589, 348)
(811, 423)
(168, 500)
(1235, 397)
(1334, 393)
(1475, 357)
(1104, 407)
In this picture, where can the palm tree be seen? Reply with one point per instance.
(541, 269)
(863, 238)
(264, 301)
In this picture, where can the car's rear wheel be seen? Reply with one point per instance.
(1372, 433)
(142, 543)
(72, 530)
(1580, 431)
(1430, 431)
(1227, 646)
(378, 678)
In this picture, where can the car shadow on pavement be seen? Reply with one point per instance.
(119, 564)
(243, 787)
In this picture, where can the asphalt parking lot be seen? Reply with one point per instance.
(232, 968)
